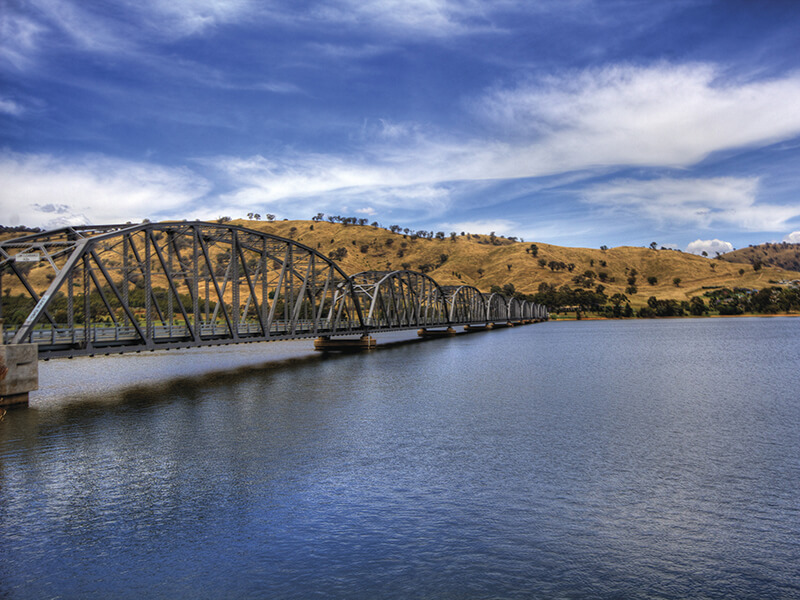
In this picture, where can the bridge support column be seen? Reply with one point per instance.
(19, 373)
(478, 327)
(326, 344)
(431, 333)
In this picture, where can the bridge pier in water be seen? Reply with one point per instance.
(328, 344)
(19, 373)
(436, 333)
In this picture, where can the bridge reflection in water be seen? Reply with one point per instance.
(128, 288)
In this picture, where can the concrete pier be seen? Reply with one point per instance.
(478, 327)
(433, 333)
(328, 344)
(19, 373)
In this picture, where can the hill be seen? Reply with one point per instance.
(783, 255)
(485, 261)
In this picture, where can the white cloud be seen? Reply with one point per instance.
(710, 247)
(43, 190)
(484, 226)
(10, 107)
(664, 115)
(300, 185)
(693, 202)
(793, 238)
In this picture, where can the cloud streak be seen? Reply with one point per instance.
(719, 201)
(53, 192)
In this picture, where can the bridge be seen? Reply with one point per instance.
(128, 288)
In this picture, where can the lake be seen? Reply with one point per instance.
(594, 459)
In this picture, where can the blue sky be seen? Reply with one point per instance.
(572, 122)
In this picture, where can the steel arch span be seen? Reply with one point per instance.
(400, 300)
(124, 288)
(496, 309)
(465, 304)
(127, 288)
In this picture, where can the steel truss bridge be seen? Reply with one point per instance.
(128, 288)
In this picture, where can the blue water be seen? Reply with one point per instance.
(627, 459)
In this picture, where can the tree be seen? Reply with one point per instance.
(618, 299)
(269, 217)
(653, 245)
(696, 306)
(652, 280)
(534, 250)
(676, 281)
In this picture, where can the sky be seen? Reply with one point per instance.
(570, 122)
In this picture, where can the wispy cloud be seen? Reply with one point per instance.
(661, 115)
(434, 18)
(720, 201)
(19, 39)
(47, 190)
(10, 107)
(178, 18)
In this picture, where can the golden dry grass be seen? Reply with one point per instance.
(474, 261)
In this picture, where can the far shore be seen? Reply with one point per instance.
(597, 318)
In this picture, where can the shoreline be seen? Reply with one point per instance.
(759, 315)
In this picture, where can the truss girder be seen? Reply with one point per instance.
(400, 299)
(496, 308)
(465, 304)
(126, 288)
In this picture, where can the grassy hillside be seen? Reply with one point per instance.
(783, 255)
(485, 261)
(475, 260)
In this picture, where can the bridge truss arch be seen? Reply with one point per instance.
(496, 309)
(123, 288)
(399, 300)
(465, 304)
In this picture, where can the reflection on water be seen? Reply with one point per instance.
(647, 459)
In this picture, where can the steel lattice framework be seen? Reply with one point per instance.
(170, 285)
(465, 304)
(126, 288)
(400, 300)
